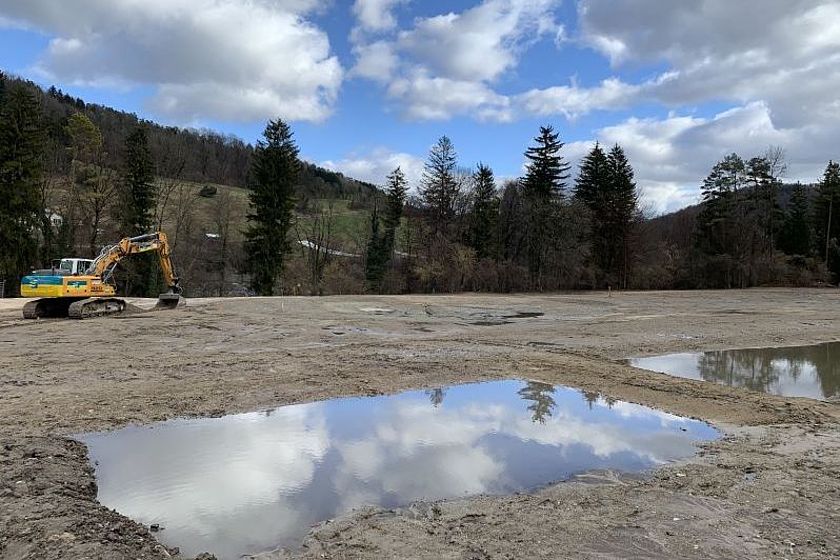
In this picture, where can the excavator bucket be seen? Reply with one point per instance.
(168, 301)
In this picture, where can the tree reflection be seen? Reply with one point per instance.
(541, 396)
(591, 397)
(762, 369)
(436, 396)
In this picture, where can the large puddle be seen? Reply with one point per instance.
(793, 371)
(248, 483)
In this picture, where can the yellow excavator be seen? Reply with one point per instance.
(80, 288)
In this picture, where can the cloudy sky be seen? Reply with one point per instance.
(371, 84)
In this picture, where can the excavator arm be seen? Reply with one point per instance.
(103, 266)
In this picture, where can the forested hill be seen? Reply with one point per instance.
(186, 154)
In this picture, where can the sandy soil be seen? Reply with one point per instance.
(770, 488)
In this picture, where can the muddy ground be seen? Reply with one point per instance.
(770, 488)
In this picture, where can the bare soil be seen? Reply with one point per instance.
(769, 488)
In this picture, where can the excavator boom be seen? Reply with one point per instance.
(103, 266)
(91, 293)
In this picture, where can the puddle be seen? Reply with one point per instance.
(795, 371)
(248, 483)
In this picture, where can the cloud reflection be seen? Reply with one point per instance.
(248, 483)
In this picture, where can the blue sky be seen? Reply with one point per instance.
(371, 84)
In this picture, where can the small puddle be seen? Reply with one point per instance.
(248, 483)
(793, 371)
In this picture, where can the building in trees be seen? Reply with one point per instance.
(274, 173)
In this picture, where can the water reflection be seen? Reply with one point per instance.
(797, 371)
(252, 482)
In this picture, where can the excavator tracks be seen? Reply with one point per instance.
(95, 307)
(44, 308)
(74, 308)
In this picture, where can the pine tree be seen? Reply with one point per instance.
(542, 189)
(764, 196)
(136, 206)
(622, 207)
(21, 157)
(275, 169)
(376, 258)
(485, 213)
(722, 214)
(395, 193)
(138, 196)
(827, 216)
(592, 179)
(607, 188)
(440, 187)
(591, 188)
(795, 238)
(547, 172)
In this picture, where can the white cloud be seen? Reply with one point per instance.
(671, 155)
(375, 165)
(207, 59)
(444, 65)
(376, 61)
(435, 98)
(572, 101)
(480, 43)
(376, 15)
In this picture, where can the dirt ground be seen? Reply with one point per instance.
(769, 488)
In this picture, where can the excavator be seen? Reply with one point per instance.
(81, 288)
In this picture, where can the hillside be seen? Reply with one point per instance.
(201, 198)
(201, 156)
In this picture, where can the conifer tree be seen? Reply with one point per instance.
(621, 209)
(795, 238)
(827, 216)
(138, 196)
(377, 254)
(395, 193)
(21, 147)
(542, 190)
(136, 206)
(717, 238)
(485, 213)
(275, 169)
(546, 172)
(607, 188)
(440, 187)
(592, 179)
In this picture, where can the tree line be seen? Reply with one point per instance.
(556, 228)
(545, 231)
(68, 189)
